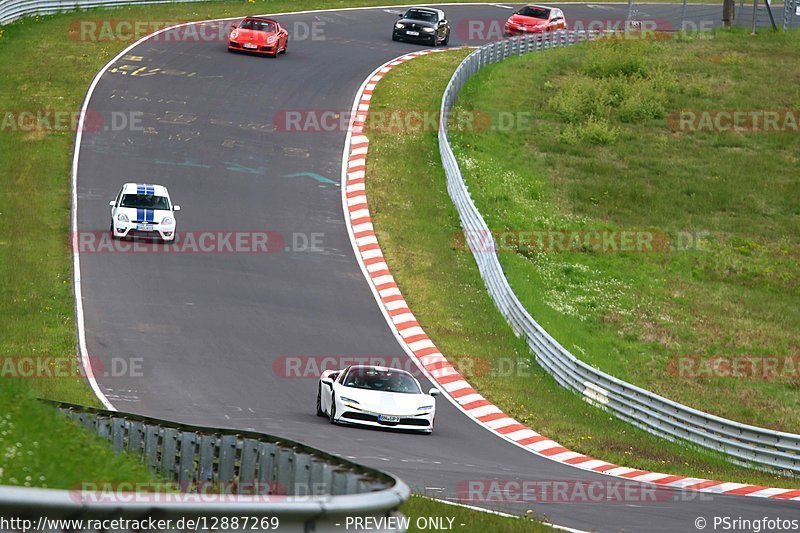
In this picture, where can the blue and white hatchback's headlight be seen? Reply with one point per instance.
(122, 217)
(167, 221)
(399, 25)
(428, 30)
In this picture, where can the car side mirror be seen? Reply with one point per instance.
(112, 203)
(176, 208)
(399, 15)
(328, 382)
(234, 25)
(434, 391)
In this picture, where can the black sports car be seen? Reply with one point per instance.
(422, 24)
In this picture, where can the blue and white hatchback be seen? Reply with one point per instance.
(143, 210)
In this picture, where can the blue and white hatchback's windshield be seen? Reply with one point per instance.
(381, 380)
(145, 201)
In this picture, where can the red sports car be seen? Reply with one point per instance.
(258, 35)
(535, 19)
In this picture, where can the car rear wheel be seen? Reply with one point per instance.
(320, 412)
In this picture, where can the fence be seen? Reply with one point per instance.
(683, 15)
(742, 443)
(233, 474)
(11, 10)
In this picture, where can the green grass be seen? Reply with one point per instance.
(43, 66)
(41, 447)
(464, 519)
(600, 156)
(416, 223)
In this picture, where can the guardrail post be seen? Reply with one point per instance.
(339, 482)
(135, 438)
(247, 463)
(188, 454)
(151, 434)
(321, 476)
(267, 452)
(205, 459)
(169, 452)
(285, 474)
(227, 458)
(103, 427)
(118, 434)
(302, 475)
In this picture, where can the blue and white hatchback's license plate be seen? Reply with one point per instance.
(409, 32)
(388, 418)
(144, 227)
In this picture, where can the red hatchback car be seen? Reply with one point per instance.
(258, 35)
(535, 19)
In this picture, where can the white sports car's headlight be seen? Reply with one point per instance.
(122, 217)
(425, 408)
(167, 221)
(345, 399)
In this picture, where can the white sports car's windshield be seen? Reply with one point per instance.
(145, 201)
(381, 380)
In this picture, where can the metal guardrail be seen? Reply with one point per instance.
(11, 10)
(216, 473)
(754, 446)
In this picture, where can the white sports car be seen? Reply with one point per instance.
(143, 210)
(376, 396)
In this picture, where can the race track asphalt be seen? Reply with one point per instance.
(207, 329)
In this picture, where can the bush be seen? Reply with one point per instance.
(577, 98)
(593, 131)
(642, 101)
(613, 57)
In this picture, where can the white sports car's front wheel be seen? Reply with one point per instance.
(333, 409)
(320, 412)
